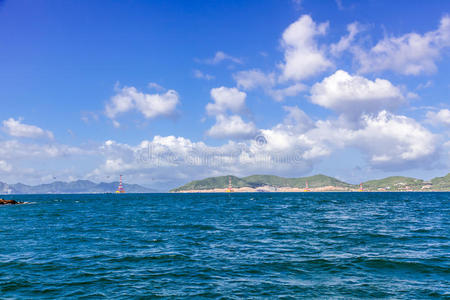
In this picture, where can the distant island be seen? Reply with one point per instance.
(316, 183)
(73, 187)
(254, 183)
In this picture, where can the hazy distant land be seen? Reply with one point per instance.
(316, 183)
(73, 187)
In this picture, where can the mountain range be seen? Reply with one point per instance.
(315, 183)
(249, 183)
(73, 187)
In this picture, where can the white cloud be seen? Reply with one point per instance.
(286, 148)
(391, 142)
(291, 148)
(176, 160)
(446, 153)
(353, 95)
(254, 78)
(13, 149)
(200, 75)
(424, 85)
(411, 95)
(150, 105)
(226, 99)
(4, 166)
(346, 41)
(219, 57)
(38, 162)
(303, 57)
(290, 91)
(409, 54)
(116, 124)
(442, 117)
(296, 121)
(18, 129)
(155, 86)
(232, 127)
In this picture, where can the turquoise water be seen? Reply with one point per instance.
(288, 245)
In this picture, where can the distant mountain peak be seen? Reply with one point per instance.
(71, 187)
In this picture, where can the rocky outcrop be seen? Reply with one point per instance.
(5, 202)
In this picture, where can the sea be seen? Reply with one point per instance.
(227, 246)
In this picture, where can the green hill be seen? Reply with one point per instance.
(255, 181)
(220, 182)
(313, 181)
(442, 183)
(394, 183)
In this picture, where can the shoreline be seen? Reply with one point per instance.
(234, 192)
(270, 189)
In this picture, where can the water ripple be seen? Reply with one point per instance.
(227, 246)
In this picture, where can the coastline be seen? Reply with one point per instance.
(270, 189)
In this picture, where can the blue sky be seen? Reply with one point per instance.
(352, 89)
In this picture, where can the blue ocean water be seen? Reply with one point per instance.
(257, 245)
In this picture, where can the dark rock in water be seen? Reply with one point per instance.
(4, 202)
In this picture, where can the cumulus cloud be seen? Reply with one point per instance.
(226, 99)
(353, 95)
(300, 147)
(391, 142)
(18, 129)
(409, 54)
(175, 160)
(232, 127)
(303, 57)
(219, 57)
(292, 147)
(442, 117)
(286, 148)
(150, 105)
